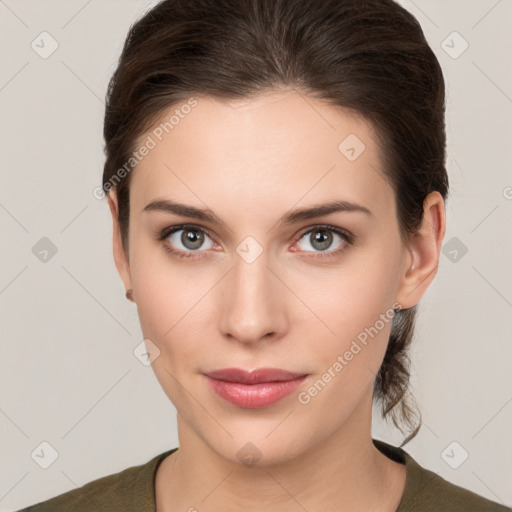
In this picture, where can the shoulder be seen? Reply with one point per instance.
(132, 487)
(426, 491)
(434, 493)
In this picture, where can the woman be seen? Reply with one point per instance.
(275, 170)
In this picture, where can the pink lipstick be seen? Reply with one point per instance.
(254, 390)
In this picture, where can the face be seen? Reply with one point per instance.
(254, 287)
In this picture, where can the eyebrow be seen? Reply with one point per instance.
(292, 217)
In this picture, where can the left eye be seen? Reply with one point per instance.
(321, 238)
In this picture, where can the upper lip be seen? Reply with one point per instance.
(253, 377)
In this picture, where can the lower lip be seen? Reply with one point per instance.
(254, 396)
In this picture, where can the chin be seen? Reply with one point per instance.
(262, 450)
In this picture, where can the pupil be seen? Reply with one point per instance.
(323, 238)
(192, 239)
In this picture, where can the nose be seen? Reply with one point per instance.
(253, 302)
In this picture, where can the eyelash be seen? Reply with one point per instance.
(167, 232)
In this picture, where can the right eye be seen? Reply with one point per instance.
(187, 238)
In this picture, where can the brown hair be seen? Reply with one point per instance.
(370, 57)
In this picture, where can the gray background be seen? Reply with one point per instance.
(68, 375)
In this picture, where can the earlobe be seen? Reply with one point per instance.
(120, 259)
(424, 250)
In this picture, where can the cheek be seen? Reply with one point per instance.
(347, 368)
(167, 291)
(348, 299)
(174, 309)
(355, 309)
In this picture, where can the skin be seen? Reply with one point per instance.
(284, 310)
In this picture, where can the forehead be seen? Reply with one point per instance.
(279, 146)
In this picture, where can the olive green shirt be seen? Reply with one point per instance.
(133, 490)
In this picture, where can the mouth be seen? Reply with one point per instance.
(254, 390)
(253, 377)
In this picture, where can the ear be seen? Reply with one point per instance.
(424, 251)
(120, 257)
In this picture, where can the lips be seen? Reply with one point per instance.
(255, 377)
(253, 390)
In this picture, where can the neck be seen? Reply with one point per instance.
(345, 471)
